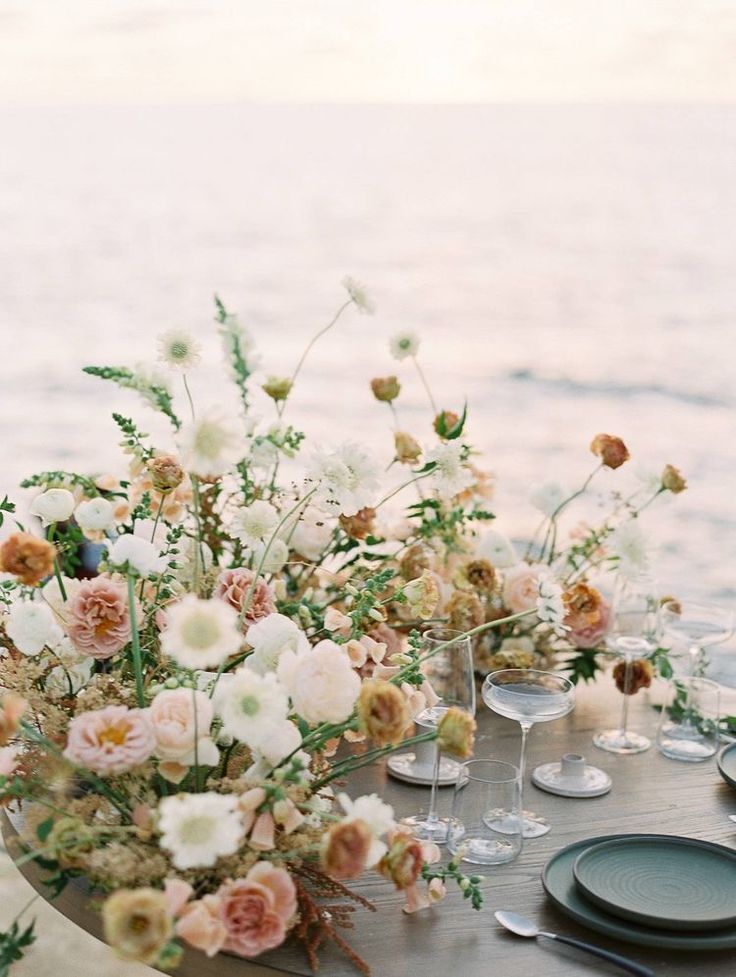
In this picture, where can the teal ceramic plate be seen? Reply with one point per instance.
(559, 884)
(727, 764)
(668, 883)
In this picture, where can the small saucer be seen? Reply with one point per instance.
(572, 777)
(404, 766)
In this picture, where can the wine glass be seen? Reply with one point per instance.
(700, 625)
(632, 635)
(529, 696)
(449, 671)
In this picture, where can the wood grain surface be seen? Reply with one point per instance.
(650, 794)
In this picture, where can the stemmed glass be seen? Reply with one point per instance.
(450, 673)
(529, 696)
(632, 634)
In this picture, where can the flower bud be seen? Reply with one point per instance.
(408, 449)
(385, 389)
(166, 473)
(611, 450)
(672, 480)
(277, 388)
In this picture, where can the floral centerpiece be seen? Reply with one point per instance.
(197, 650)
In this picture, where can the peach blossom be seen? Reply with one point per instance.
(98, 618)
(110, 741)
(201, 925)
(233, 587)
(521, 587)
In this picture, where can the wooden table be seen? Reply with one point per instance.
(650, 794)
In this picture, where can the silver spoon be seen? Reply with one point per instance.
(525, 927)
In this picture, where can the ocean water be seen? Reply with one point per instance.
(569, 269)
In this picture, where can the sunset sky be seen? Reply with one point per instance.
(163, 51)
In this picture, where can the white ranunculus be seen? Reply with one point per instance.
(497, 548)
(31, 626)
(548, 497)
(270, 638)
(138, 554)
(54, 505)
(283, 740)
(322, 683)
(95, 515)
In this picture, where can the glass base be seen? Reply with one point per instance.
(621, 741)
(435, 830)
(484, 851)
(507, 823)
(681, 741)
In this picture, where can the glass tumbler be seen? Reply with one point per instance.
(688, 728)
(486, 824)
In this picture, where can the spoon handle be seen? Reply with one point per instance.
(597, 951)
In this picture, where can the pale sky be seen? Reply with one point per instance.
(166, 51)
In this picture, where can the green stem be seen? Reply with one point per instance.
(318, 335)
(417, 478)
(189, 394)
(135, 644)
(422, 377)
(57, 568)
(349, 766)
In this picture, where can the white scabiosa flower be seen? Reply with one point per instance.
(550, 605)
(200, 828)
(630, 545)
(136, 554)
(178, 349)
(450, 476)
(209, 444)
(548, 497)
(497, 548)
(54, 505)
(270, 638)
(95, 515)
(358, 294)
(31, 626)
(346, 477)
(404, 344)
(311, 535)
(200, 633)
(322, 683)
(252, 707)
(255, 524)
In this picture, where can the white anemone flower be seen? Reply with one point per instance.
(178, 349)
(95, 515)
(200, 828)
(270, 638)
(450, 476)
(358, 294)
(252, 707)
(200, 633)
(31, 626)
(209, 444)
(548, 497)
(630, 545)
(137, 554)
(404, 344)
(347, 479)
(54, 505)
(255, 524)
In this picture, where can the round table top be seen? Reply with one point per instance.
(650, 794)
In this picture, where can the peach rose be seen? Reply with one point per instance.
(591, 635)
(521, 587)
(256, 910)
(98, 618)
(233, 587)
(201, 925)
(177, 717)
(346, 848)
(110, 741)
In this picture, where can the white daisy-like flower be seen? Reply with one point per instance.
(548, 497)
(379, 818)
(255, 524)
(252, 707)
(31, 626)
(200, 633)
(270, 638)
(404, 344)
(200, 828)
(209, 444)
(451, 476)
(550, 605)
(630, 545)
(178, 349)
(54, 505)
(347, 478)
(497, 548)
(136, 554)
(358, 294)
(95, 515)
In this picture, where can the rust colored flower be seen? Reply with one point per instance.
(456, 733)
(640, 676)
(385, 389)
(137, 924)
(12, 709)
(584, 605)
(382, 712)
(359, 525)
(166, 473)
(402, 863)
(611, 450)
(28, 558)
(672, 480)
(408, 449)
(464, 611)
(345, 850)
(416, 559)
(480, 575)
(277, 388)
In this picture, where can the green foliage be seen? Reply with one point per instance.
(234, 348)
(6, 506)
(13, 944)
(155, 394)
(661, 661)
(583, 666)
(57, 479)
(469, 885)
(450, 431)
(133, 438)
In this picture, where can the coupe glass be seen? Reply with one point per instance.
(529, 696)
(632, 635)
(700, 625)
(450, 673)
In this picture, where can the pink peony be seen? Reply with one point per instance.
(592, 635)
(257, 909)
(110, 741)
(98, 617)
(521, 587)
(201, 925)
(233, 587)
(176, 722)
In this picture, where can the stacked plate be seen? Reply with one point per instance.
(654, 890)
(727, 764)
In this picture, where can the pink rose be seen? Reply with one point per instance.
(257, 909)
(521, 587)
(592, 635)
(177, 717)
(233, 587)
(201, 925)
(110, 741)
(98, 617)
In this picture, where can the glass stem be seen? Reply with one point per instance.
(625, 704)
(432, 817)
(695, 654)
(525, 727)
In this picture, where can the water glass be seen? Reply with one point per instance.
(688, 728)
(486, 824)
